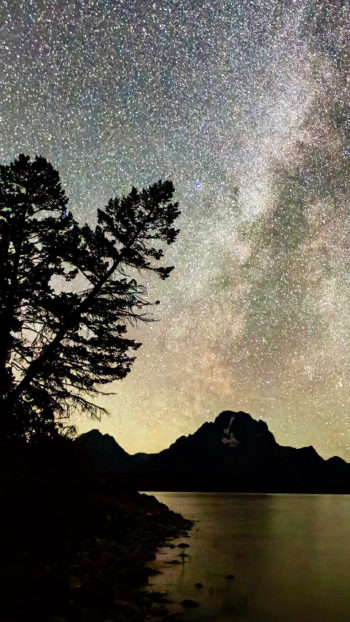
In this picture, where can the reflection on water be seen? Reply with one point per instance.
(289, 556)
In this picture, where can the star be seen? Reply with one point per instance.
(244, 105)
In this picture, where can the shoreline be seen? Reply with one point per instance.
(75, 544)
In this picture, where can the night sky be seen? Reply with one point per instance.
(244, 105)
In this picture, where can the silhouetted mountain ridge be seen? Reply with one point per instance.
(234, 453)
(104, 452)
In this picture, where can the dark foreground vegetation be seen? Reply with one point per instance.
(74, 543)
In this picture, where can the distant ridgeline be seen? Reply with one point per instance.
(234, 453)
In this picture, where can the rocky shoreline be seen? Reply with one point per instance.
(75, 545)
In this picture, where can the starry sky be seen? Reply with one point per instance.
(244, 105)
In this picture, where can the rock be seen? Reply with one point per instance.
(183, 545)
(163, 600)
(188, 602)
(152, 571)
(159, 597)
(74, 583)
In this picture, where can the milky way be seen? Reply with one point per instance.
(245, 106)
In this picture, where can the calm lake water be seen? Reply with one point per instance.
(289, 555)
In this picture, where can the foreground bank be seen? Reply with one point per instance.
(75, 544)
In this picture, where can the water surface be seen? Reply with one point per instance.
(289, 556)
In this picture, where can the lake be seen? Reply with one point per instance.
(289, 555)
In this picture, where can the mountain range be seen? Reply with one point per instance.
(233, 453)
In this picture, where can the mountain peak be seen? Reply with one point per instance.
(234, 452)
(242, 428)
(103, 450)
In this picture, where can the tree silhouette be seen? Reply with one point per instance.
(68, 293)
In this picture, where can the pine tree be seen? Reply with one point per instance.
(59, 344)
